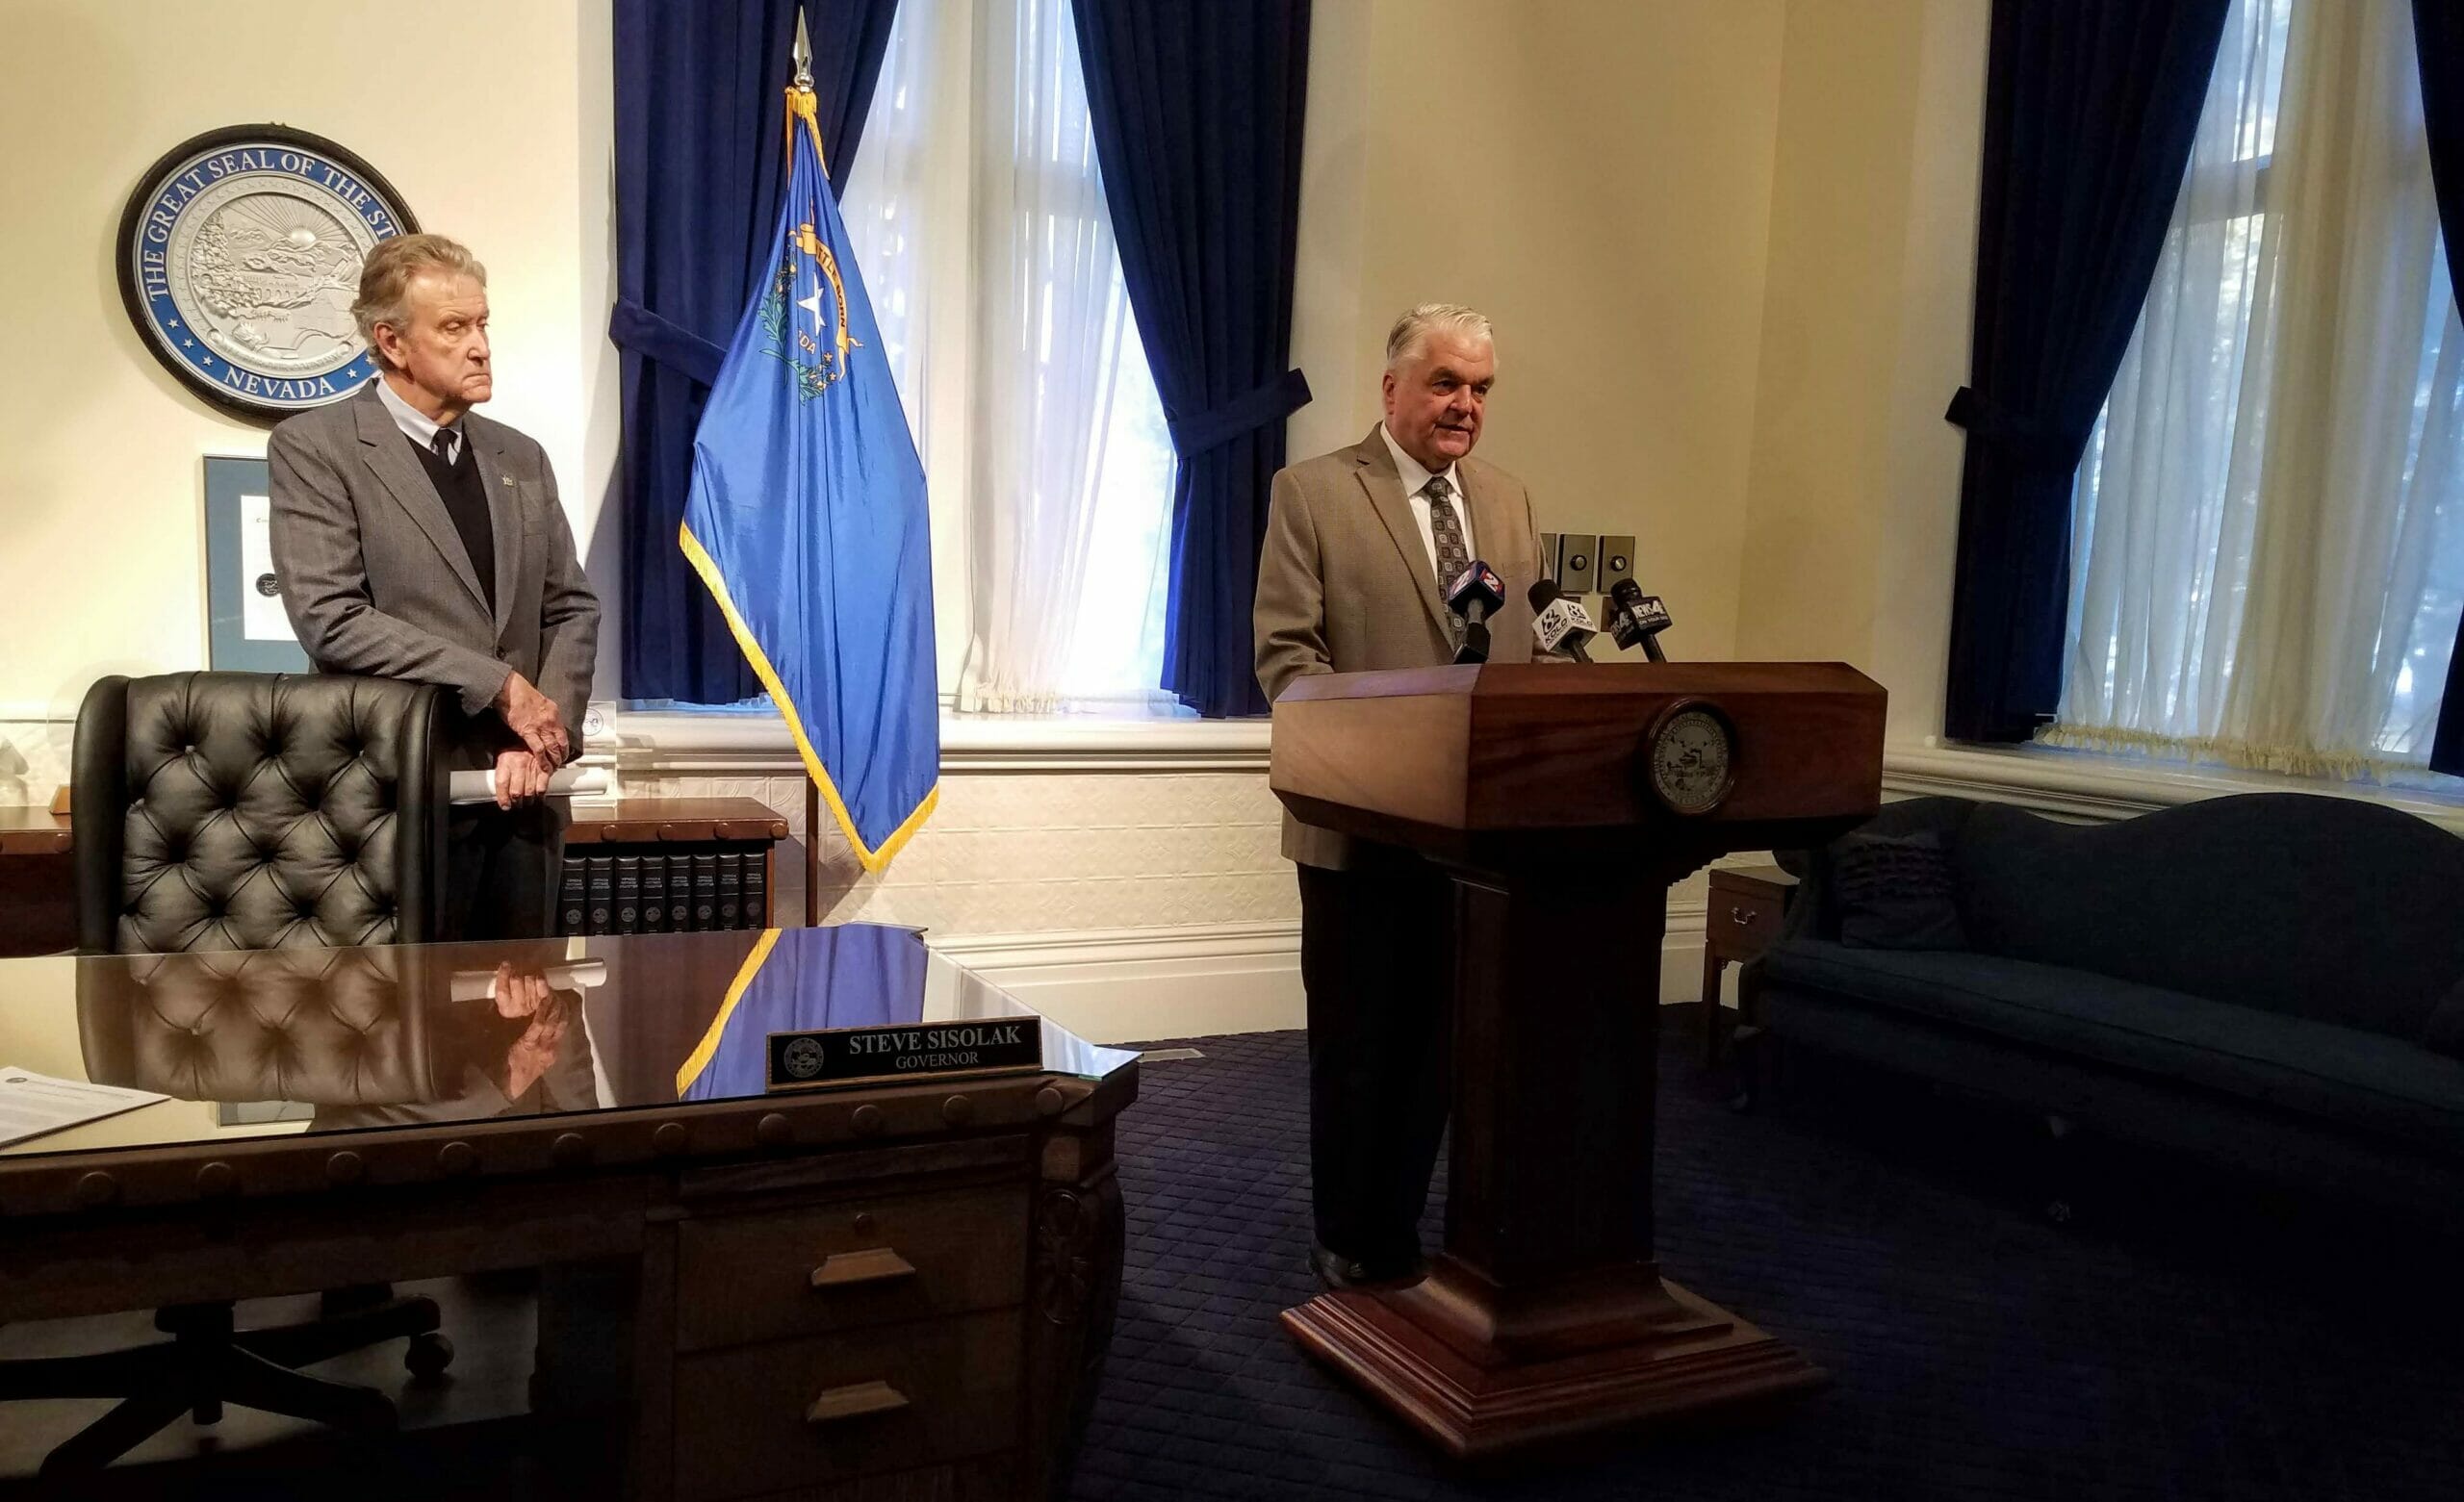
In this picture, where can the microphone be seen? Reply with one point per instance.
(1559, 624)
(1474, 593)
(1636, 618)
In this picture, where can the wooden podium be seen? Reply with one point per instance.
(1564, 801)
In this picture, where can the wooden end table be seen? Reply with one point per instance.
(1747, 904)
(37, 883)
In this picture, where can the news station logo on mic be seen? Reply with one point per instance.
(1476, 588)
(1636, 619)
(1475, 592)
(1560, 623)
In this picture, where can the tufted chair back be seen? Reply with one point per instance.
(243, 811)
(327, 1028)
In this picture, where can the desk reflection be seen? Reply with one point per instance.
(367, 1038)
(425, 1033)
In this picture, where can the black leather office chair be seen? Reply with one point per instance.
(227, 811)
(243, 810)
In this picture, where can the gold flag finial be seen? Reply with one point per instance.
(804, 54)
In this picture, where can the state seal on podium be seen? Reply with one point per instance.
(238, 259)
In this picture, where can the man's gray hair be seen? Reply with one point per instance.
(385, 280)
(1410, 334)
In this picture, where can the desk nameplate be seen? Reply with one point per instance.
(828, 1057)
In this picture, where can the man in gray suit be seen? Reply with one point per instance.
(1360, 546)
(415, 539)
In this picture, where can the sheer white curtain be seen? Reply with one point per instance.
(999, 291)
(2269, 540)
(889, 207)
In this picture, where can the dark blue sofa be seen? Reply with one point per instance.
(2256, 979)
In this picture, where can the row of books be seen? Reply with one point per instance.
(657, 891)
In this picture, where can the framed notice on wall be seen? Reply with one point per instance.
(246, 630)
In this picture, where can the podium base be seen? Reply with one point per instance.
(1483, 1404)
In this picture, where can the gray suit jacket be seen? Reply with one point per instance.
(378, 581)
(1344, 583)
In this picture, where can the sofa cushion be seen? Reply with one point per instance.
(1897, 891)
(1814, 910)
(2286, 1147)
(2321, 1069)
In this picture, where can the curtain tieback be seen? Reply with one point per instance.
(1251, 410)
(636, 328)
(2018, 438)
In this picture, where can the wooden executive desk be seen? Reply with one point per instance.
(813, 1295)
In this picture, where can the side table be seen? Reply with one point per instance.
(37, 883)
(1747, 904)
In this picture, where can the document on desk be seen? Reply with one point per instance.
(32, 1104)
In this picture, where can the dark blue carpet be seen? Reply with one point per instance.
(2181, 1339)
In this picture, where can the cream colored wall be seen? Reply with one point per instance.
(1724, 242)
(1853, 507)
(1597, 178)
(495, 128)
(1729, 250)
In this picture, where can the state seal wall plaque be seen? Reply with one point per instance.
(238, 259)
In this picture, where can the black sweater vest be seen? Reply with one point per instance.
(466, 500)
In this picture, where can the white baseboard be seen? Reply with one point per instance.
(1132, 985)
(1129, 985)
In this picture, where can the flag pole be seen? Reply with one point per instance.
(813, 790)
(813, 853)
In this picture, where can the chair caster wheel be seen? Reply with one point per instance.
(2058, 1212)
(428, 1356)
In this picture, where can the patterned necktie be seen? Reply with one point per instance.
(441, 445)
(1446, 525)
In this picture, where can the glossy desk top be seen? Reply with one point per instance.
(361, 1039)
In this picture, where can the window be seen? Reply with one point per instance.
(980, 225)
(2268, 541)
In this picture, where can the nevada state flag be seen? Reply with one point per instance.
(807, 520)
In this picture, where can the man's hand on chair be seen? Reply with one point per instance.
(534, 716)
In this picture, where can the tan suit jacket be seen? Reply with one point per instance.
(1346, 584)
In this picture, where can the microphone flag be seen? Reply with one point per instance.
(1561, 618)
(806, 521)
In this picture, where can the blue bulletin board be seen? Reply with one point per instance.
(246, 630)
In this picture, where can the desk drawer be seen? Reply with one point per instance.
(857, 1262)
(1743, 925)
(897, 1398)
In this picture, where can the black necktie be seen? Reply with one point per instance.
(441, 445)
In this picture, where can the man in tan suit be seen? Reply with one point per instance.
(1361, 544)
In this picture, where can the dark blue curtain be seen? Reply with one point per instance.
(2438, 28)
(700, 131)
(2090, 106)
(1196, 110)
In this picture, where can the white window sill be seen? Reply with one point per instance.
(2085, 784)
(2081, 785)
(651, 742)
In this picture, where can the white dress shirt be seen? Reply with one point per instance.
(1414, 479)
(417, 427)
